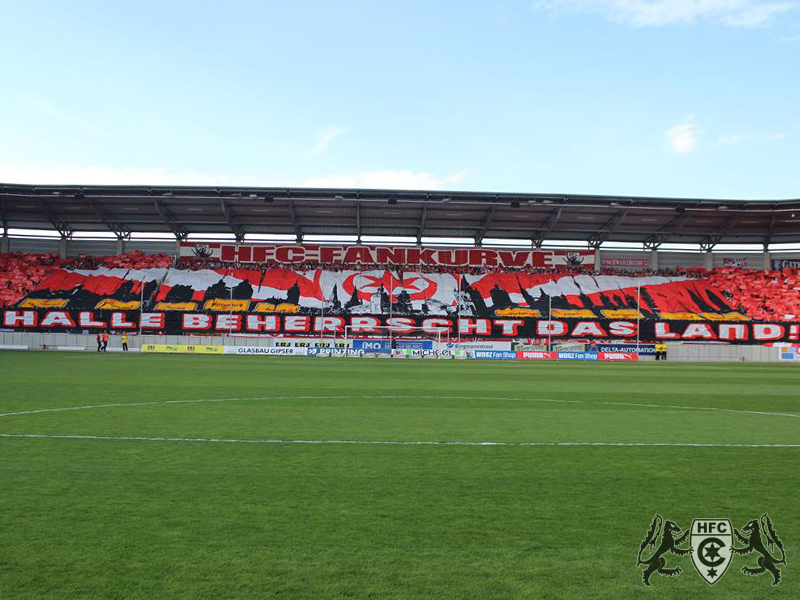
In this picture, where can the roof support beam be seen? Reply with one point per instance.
(422, 220)
(358, 223)
(714, 238)
(177, 229)
(544, 231)
(298, 231)
(3, 219)
(487, 221)
(237, 230)
(58, 224)
(770, 231)
(117, 228)
(663, 234)
(607, 229)
(651, 243)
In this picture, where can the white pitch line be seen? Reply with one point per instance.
(132, 438)
(407, 397)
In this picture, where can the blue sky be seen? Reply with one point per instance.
(693, 98)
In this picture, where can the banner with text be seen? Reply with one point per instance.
(386, 255)
(168, 322)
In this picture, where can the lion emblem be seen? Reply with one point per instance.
(671, 538)
(573, 259)
(751, 536)
(202, 251)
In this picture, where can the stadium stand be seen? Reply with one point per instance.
(762, 295)
(21, 273)
(523, 265)
(87, 283)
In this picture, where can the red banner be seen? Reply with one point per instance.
(537, 355)
(388, 255)
(618, 356)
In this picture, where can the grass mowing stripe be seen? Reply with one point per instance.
(136, 438)
(492, 398)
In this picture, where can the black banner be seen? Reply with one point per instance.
(186, 323)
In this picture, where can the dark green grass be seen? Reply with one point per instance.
(147, 519)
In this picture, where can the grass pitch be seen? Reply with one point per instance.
(141, 500)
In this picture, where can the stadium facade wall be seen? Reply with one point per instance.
(91, 247)
(662, 259)
(674, 260)
(150, 247)
(33, 245)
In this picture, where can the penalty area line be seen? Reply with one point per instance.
(136, 438)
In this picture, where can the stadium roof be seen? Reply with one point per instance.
(359, 212)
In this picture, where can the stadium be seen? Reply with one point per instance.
(340, 393)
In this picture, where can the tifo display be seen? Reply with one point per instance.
(562, 300)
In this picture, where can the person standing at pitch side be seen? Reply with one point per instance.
(105, 340)
(99, 342)
(124, 342)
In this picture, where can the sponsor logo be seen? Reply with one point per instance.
(536, 355)
(372, 345)
(333, 351)
(111, 304)
(427, 353)
(270, 307)
(577, 355)
(181, 349)
(640, 349)
(618, 356)
(631, 263)
(712, 547)
(778, 264)
(414, 345)
(43, 303)
(264, 351)
(495, 354)
(176, 306)
(479, 345)
(518, 312)
(226, 305)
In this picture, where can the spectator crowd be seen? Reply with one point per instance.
(762, 295)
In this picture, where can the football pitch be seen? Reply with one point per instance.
(213, 477)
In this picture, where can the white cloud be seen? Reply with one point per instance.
(65, 174)
(325, 139)
(56, 113)
(729, 140)
(394, 180)
(778, 136)
(682, 139)
(657, 13)
(457, 177)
